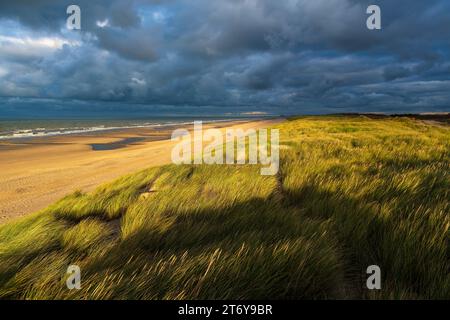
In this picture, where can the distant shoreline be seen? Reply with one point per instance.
(42, 132)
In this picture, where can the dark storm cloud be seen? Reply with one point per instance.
(297, 55)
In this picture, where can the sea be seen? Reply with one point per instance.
(27, 128)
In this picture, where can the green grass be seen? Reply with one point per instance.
(351, 192)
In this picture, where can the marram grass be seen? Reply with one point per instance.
(351, 192)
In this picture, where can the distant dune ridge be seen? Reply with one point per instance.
(352, 191)
(443, 117)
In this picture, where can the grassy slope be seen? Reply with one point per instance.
(351, 192)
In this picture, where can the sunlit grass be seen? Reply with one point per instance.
(351, 192)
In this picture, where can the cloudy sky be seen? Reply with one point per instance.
(286, 56)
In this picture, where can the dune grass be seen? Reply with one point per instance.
(351, 192)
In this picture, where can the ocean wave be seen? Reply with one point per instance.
(44, 132)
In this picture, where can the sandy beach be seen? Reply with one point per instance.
(37, 172)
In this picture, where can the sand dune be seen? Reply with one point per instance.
(35, 174)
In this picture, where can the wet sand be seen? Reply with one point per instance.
(37, 172)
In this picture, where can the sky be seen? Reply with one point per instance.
(280, 57)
